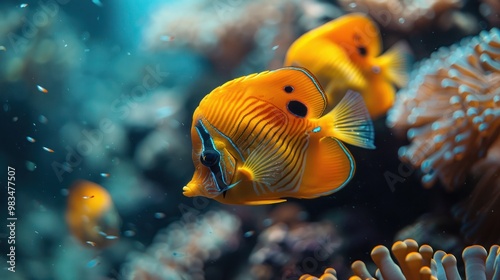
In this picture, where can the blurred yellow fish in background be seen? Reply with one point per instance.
(264, 137)
(91, 214)
(344, 54)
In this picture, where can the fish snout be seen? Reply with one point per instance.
(188, 190)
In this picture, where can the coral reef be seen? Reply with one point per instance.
(180, 250)
(227, 32)
(290, 251)
(406, 16)
(480, 212)
(451, 109)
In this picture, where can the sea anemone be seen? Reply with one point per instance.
(421, 262)
(451, 109)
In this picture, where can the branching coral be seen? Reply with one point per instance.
(180, 250)
(451, 109)
(421, 262)
(404, 16)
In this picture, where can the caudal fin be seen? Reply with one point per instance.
(394, 63)
(351, 121)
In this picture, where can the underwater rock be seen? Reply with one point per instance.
(180, 250)
(451, 109)
(405, 16)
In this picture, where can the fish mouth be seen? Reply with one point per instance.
(187, 191)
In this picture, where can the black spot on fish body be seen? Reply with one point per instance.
(362, 50)
(288, 89)
(297, 108)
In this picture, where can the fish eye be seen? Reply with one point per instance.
(209, 158)
(288, 89)
(297, 108)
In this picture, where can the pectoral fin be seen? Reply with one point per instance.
(264, 164)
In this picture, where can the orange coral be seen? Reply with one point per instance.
(451, 109)
(330, 274)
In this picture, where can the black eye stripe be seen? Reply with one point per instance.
(297, 108)
(288, 89)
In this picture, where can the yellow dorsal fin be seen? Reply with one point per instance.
(350, 121)
(394, 64)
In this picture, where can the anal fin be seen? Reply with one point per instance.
(329, 169)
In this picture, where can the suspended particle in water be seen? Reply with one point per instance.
(105, 175)
(42, 119)
(93, 263)
(14, 119)
(6, 107)
(97, 2)
(275, 47)
(166, 38)
(249, 233)
(91, 243)
(2, 48)
(88, 197)
(23, 5)
(64, 192)
(31, 166)
(159, 215)
(30, 139)
(41, 89)
(48, 150)
(111, 237)
(129, 233)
